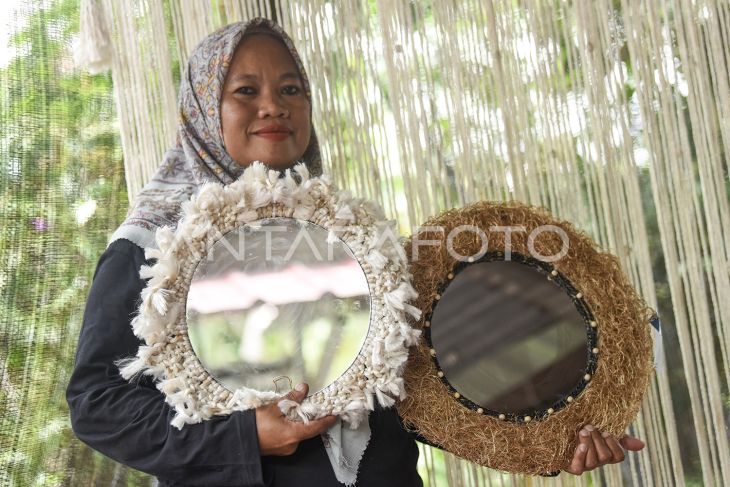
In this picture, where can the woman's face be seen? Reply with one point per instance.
(264, 110)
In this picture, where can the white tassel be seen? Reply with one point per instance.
(190, 209)
(237, 190)
(157, 327)
(157, 297)
(152, 253)
(292, 409)
(272, 177)
(412, 310)
(164, 237)
(156, 371)
(255, 172)
(177, 400)
(287, 405)
(411, 335)
(304, 210)
(259, 196)
(386, 239)
(130, 367)
(181, 420)
(302, 171)
(370, 400)
(285, 191)
(384, 400)
(166, 270)
(94, 50)
(396, 359)
(250, 398)
(310, 410)
(355, 406)
(146, 271)
(394, 341)
(171, 386)
(211, 197)
(140, 325)
(376, 260)
(398, 297)
(344, 213)
(397, 388)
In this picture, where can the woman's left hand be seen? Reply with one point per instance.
(597, 449)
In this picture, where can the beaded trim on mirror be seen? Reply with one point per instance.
(553, 275)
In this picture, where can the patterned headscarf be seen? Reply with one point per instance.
(199, 154)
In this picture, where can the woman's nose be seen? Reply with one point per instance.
(272, 105)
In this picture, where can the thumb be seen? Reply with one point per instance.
(631, 443)
(298, 393)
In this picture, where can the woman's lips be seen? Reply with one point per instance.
(273, 133)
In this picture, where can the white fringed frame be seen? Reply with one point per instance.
(167, 354)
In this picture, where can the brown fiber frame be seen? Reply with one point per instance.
(611, 398)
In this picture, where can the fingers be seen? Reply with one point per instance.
(631, 443)
(303, 431)
(314, 427)
(587, 438)
(579, 460)
(616, 450)
(298, 393)
(596, 449)
(603, 452)
(280, 436)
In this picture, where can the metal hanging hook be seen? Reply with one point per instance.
(276, 385)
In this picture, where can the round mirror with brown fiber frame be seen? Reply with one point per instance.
(530, 332)
(510, 338)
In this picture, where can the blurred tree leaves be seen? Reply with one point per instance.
(59, 149)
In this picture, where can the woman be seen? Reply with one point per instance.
(245, 98)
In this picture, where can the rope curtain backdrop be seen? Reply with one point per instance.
(614, 115)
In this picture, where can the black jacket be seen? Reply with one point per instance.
(130, 423)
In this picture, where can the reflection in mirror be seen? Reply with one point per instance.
(275, 298)
(508, 339)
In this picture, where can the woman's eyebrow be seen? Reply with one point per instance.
(289, 76)
(253, 77)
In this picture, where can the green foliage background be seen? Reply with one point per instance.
(59, 147)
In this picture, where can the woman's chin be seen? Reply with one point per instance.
(276, 164)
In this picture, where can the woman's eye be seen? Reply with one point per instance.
(291, 90)
(246, 90)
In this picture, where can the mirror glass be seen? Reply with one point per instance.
(508, 339)
(275, 298)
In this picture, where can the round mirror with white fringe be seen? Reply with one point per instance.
(282, 313)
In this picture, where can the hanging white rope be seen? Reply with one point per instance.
(94, 49)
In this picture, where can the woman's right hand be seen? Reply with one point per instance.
(280, 436)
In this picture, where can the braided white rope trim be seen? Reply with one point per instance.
(167, 355)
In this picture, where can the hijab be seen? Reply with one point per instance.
(199, 154)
